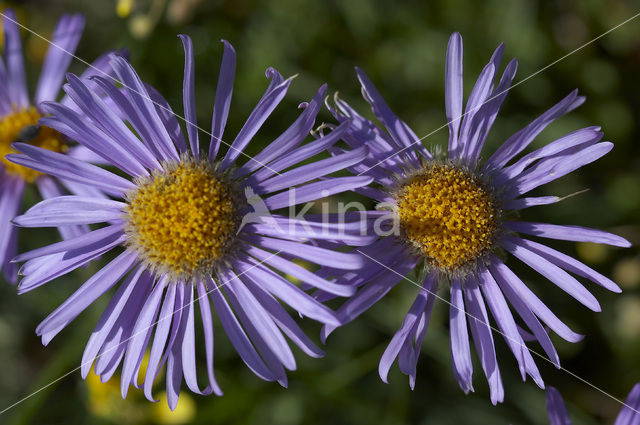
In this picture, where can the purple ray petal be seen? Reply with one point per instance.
(568, 233)
(316, 190)
(308, 172)
(483, 339)
(627, 416)
(258, 116)
(506, 277)
(402, 334)
(207, 328)
(284, 321)
(140, 97)
(556, 409)
(320, 256)
(13, 58)
(287, 292)
(236, 334)
(584, 137)
(65, 39)
(552, 168)
(121, 138)
(473, 112)
(63, 166)
(453, 90)
(189, 97)
(552, 272)
(128, 289)
(287, 141)
(259, 318)
(11, 190)
(522, 203)
(140, 335)
(297, 271)
(50, 188)
(516, 143)
(97, 285)
(296, 156)
(41, 270)
(160, 337)
(222, 102)
(459, 336)
(506, 323)
(399, 131)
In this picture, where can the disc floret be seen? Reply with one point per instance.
(183, 219)
(22, 126)
(448, 215)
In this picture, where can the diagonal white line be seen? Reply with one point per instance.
(222, 284)
(504, 91)
(584, 381)
(135, 91)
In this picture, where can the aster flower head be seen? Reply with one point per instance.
(628, 415)
(453, 219)
(19, 116)
(179, 224)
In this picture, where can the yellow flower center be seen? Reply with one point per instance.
(448, 215)
(182, 220)
(22, 126)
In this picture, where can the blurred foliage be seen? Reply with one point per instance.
(401, 45)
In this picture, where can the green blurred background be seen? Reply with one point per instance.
(401, 45)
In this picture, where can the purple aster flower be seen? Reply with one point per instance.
(19, 115)
(452, 217)
(628, 415)
(178, 224)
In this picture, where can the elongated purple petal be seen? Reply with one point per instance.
(189, 96)
(97, 285)
(76, 243)
(552, 272)
(627, 416)
(108, 121)
(316, 190)
(140, 335)
(399, 131)
(63, 166)
(301, 154)
(160, 338)
(140, 97)
(284, 321)
(288, 140)
(459, 337)
(261, 319)
(222, 102)
(516, 143)
(65, 39)
(41, 270)
(14, 60)
(552, 168)
(308, 172)
(453, 90)
(287, 292)
(236, 334)
(10, 200)
(259, 115)
(568, 233)
(298, 272)
(483, 339)
(321, 256)
(207, 328)
(556, 409)
(403, 333)
(506, 277)
(109, 317)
